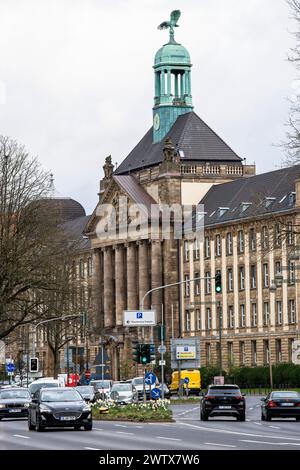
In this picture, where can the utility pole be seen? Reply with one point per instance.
(220, 337)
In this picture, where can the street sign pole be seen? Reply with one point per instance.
(162, 354)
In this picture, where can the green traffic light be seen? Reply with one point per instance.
(218, 289)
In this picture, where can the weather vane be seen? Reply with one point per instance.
(174, 17)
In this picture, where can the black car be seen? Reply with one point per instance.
(88, 393)
(285, 404)
(223, 400)
(59, 407)
(14, 402)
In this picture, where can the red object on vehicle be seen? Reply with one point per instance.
(88, 374)
(72, 380)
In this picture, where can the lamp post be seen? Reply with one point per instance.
(272, 288)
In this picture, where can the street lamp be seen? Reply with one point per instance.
(272, 289)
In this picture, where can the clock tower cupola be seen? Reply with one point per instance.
(172, 75)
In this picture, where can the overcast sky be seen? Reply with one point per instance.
(76, 78)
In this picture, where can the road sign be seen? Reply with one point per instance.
(162, 349)
(186, 380)
(139, 317)
(185, 352)
(189, 358)
(162, 363)
(155, 393)
(150, 378)
(219, 380)
(10, 367)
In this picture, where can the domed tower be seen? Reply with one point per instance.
(172, 72)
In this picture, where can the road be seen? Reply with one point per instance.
(187, 433)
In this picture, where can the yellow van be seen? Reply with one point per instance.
(194, 377)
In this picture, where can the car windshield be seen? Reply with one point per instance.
(138, 381)
(101, 384)
(60, 395)
(14, 394)
(37, 386)
(121, 388)
(285, 395)
(223, 391)
(85, 389)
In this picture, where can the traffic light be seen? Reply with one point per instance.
(145, 357)
(136, 351)
(152, 352)
(34, 364)
(218, 283)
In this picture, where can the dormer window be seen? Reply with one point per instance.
(292, 198)
(245, 206)
(269, 201)
(222, 211)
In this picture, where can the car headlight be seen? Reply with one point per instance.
(86, 408)
(2, 406)
(45, 409)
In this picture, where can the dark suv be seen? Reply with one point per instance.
(223, 400)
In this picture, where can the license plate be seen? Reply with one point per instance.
(15, 410)
(287, 404)
(225, 407)
(67, 418)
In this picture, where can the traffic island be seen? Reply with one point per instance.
(152, 411)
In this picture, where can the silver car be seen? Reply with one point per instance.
(124, 393)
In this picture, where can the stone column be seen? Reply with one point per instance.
(176, 85)
(169, 82)
(120, 284)
(132, 297)
(108, 288)
(97, 291)
(143, 274)
(162, 82)
(182, 84)
(156, 276)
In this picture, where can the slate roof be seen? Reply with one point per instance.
(262, 194)
(62, 208)
(134, 190)
(197, 140)
(74, 229)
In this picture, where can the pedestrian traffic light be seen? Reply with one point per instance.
(218, 283)
(145, 355)
(136, 350)
(34, 364)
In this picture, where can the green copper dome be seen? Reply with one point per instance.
(173, 54)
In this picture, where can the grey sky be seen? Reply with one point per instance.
(76, 79)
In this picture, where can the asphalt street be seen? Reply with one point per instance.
(187, 433)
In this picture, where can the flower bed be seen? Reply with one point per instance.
(158, 410)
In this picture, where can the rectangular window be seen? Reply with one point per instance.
(254, 314)
(208, 318)
(252, 239)
(292, 272)
(229, 243)
(187, 285)
(241, 241)
(242, 316)
(198, 319)
(207, 283)
(218, 245)
(290, 234)
(230, 279)
(90, 266)
(266, 352)
(230, 316)
(277, 267)
(265, 237)
(242, 353)
(208, 354)
(292, 312)
(187, 320)
(278, 350)
(230, 353)
(266, 313)
(242, 277)
(277, 235)
(279, 312)
(81, 268)
(265, 275)
(186, 251)
(253, 353)
(197, 284)
(196, 248)
(253, 276)
(90, 298)
(207, 247)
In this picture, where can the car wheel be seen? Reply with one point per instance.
(241, 417)
(204, 417)
(268, 417)
(297, 419)
(0, 419)
(77, 427)
(88, 427)
(263, 417)
(30, 425)
(38, 426)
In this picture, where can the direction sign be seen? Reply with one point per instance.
(139, 318)
(162, 349)
(186, 380)
(155, 393)
(162, 363)
(10, 367)
(150, 378)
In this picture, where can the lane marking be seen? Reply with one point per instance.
(123, 432)
(220, 445)
(168, 438)
(121, 426)
(20, 435)
(258, 424)
(98, 429)
(270, 443)
(225, 431)
(274, 427)
(91, 448)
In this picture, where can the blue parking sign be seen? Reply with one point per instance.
(139, 315)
